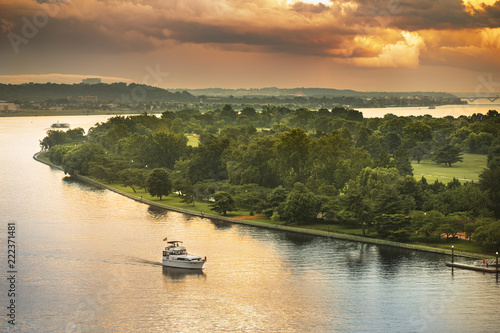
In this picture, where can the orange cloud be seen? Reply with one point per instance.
(401, 54)
(361, 33)
(474, 6)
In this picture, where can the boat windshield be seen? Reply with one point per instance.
(178, 252)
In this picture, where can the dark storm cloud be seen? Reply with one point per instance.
(428, 14)
(309, 40)
(344, 29)
(302, 7)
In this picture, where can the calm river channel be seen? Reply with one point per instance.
(88, 260)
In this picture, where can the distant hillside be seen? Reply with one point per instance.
(106, 93)
(308, 92)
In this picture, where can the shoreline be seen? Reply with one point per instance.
(249, 222)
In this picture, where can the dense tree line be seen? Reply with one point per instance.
(114, 92)
(298, 165)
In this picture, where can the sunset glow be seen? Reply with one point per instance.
(314, 2)
(284, 43)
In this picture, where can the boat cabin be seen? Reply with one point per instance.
(174, 248)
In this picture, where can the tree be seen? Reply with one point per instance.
(249, 112)
(489, 181)
(393, 226)
(376, 192)
(228, 112)
(79, 158)
(447, 155)
(158, 183)
(292, 155)
(275, 202)
(223, 202)
(452, 225)
(426, 222)
(207, 160)
(333, 161)
(415, 132)
(418, 151)
(133, 177)
(300, 205)
(402, 162)
(488, 232)
(162, 150)
(390, 142)
(101, 172)
(249, 196)
(53, 138)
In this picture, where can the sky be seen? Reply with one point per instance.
(365, 45)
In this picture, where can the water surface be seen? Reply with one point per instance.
(89, 260)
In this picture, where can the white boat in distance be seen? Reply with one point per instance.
(175, 255)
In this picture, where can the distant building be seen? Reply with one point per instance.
(8, 107)
(92, 99)
(91, 81)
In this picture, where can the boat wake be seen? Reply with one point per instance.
(144, 261)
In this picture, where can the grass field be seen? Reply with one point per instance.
(468, 170)
(193, 140)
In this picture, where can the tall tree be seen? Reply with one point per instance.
(402, 162)
(489, 181)
(158, 183)
(447, 155)
(292, 154)
(301, 205)
(223, 202)
(393, 226)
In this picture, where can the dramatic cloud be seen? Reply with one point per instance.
(353, 33)
(404, 53)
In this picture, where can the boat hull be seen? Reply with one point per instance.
(195, 264)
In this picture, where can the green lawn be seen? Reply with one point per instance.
(193, 140)
(174, 200)
(467, 170)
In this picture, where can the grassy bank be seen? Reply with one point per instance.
(431, 243)
(335, 230)
(468, 170)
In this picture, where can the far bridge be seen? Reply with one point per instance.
(490, 98)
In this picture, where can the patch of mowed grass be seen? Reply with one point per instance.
(458, 244)
(193, 140)
(174, 200)
(336, 227)
(468, 170)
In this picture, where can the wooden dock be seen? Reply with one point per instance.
(473, 267)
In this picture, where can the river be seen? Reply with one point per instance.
(88, 260)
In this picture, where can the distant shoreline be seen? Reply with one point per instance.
(51, 113)
(249, 222)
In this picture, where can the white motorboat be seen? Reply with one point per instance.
(175, 255)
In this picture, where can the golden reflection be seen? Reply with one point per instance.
(251, 285)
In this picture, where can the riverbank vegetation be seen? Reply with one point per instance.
(327, 169)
